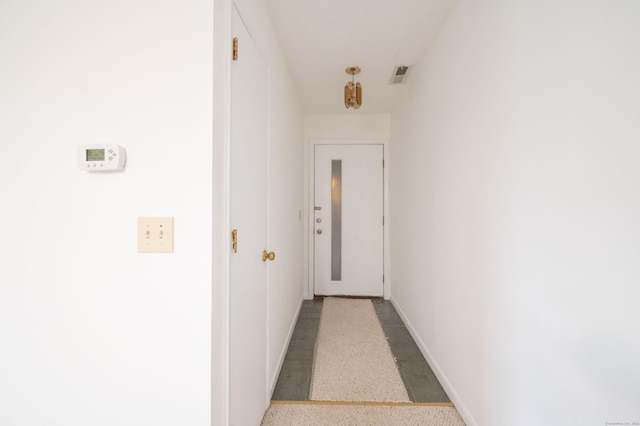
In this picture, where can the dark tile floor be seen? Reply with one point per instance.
(420, 381)
(295, 375)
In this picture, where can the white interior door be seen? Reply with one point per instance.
(248, 209)
(348, 220)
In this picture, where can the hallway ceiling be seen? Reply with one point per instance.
(320, 38)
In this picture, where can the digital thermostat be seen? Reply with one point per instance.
(98, 158)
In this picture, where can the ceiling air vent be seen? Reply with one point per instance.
(399, 74)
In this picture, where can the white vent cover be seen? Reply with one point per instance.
(399, 74)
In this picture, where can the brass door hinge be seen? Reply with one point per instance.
(235, 48)
(234, 240)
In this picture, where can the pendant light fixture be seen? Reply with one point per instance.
(352, 90)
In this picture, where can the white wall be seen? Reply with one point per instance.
(284, 293)
(347, 126)
(515, 210)
(93, 332)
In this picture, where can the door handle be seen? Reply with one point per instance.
(271, 255)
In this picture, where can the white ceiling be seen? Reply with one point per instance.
(320, 38)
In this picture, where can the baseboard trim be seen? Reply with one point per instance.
(451, 392)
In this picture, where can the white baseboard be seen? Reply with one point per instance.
(448, 388)
(283, 352)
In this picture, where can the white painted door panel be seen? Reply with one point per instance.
(348, 220)
(247, 289)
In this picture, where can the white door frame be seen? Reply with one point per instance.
(309, 287)
(221, 238)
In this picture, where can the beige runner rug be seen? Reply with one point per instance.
(353, 361)
(348, 415)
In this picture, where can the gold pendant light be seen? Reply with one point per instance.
(352, 90)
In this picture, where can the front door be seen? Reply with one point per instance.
(348, 220)
(248, 206)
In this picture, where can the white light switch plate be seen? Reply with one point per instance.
(155, 235)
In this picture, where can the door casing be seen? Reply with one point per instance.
(309, 225)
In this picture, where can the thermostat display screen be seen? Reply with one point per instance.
(95, 154)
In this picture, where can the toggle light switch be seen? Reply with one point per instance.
(155, 235)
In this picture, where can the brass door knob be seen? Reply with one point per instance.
(271, 255)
